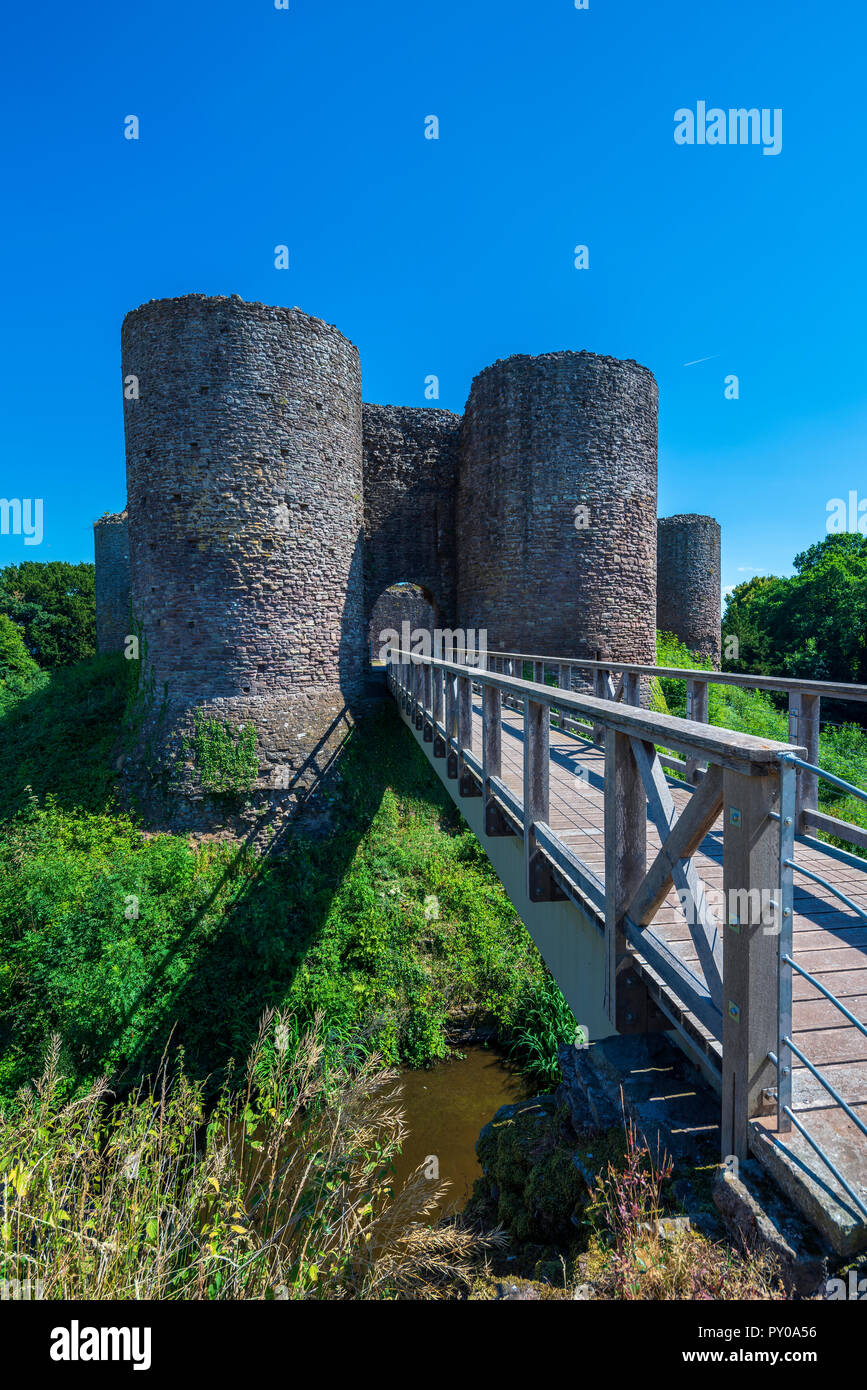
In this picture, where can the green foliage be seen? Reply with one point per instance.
(19, 673)
(224, 756)
(842, 747)
(278, 1188)
(542, 1023)
(59, 733)
(53, 603)
(15, 660)
(812, 625)
(115, 938)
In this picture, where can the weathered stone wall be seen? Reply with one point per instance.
(399, 604)
(244, 472)
(271, 516)
(543, 436)
(689, 596)
(410, 484)
(111, 558)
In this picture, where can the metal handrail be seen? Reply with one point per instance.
(786, 1047)
(823, 1080)
(828, 776)
(832, 998)
(817, 878)
(674, 731)
(817, 1148)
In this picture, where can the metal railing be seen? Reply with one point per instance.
(788, 967)
(804, 716)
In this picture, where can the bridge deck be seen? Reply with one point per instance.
(829, 940)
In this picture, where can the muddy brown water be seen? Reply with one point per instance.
(446, 1107)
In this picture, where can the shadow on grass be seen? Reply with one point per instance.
(199, 973)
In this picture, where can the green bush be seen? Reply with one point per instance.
(54, 605)
(114, 937)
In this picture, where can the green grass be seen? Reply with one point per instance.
(116, 939)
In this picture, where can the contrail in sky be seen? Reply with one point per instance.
(701, 359)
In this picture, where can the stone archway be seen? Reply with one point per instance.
(401, 602)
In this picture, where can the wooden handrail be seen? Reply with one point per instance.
(834, 690)
(727, 747)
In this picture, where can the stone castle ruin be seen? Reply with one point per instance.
(269, 511)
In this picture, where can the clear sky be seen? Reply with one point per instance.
(306, 127)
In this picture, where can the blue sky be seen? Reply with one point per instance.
(306, 127)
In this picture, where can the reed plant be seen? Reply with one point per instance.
(282, 1189)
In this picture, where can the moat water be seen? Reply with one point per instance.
(446, 1108)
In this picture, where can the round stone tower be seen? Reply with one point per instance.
(557, 507)
(688, 587)
(244, 474)
(111, 557)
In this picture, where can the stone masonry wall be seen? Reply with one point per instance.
(399, 604)
(244, 472)
(271, 517)
(410, 484)
(111, 562)
(689, 582)
(543, 436)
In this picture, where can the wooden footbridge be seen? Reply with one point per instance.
(671, 877)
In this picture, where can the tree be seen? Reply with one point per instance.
(812, 625)
(53, 603)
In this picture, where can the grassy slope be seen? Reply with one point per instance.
(115, 939)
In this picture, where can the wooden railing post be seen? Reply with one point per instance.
(804, 711)
(602, 691)
(439, 745)
(467, 785)
(492, 759)
(427, 703)
(697, 710)
(538, 883)
(632, 688)
(451, 723)
(418, 692)
(751, 872)
(625, 868)
(539, 672)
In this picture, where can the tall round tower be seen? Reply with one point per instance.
(244, 474)
(111, 563)
(557, 507)
(689, 580)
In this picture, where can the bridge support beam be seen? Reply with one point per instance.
(751, 871)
